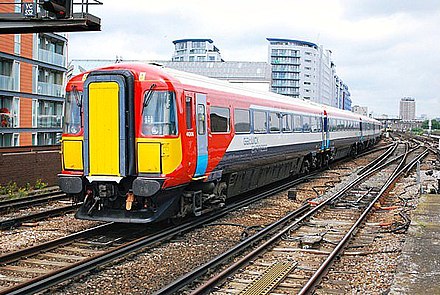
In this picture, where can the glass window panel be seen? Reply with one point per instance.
(242, 121)
(274, 122)
(219, 119)
(260, 122)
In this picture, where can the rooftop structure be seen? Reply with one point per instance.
(195, 50)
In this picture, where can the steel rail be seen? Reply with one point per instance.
(191, 276)
(376, 161)
(315, 280)
(31, 200)
(34, 250)
(216, 280)
(17, 221)
(57, 276)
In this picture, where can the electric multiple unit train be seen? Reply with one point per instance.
(143, 143)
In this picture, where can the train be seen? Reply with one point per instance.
(143, 143)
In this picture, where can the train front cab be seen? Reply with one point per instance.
(109, 163)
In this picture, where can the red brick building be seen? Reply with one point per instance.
(32, 74)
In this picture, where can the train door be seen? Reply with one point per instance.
(202, 135)
(104, 127)
(325, 132)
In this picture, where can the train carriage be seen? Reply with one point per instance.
(143, 143)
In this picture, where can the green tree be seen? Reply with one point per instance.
(435, 124)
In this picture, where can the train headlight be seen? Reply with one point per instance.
(154, 130)
(74, 129)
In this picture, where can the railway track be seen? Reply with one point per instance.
(15, 212)
(64, 265)
(297, 257)
(13, 204)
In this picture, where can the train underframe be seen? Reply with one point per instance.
(111, 201)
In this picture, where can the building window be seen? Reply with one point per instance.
(34, 113)
(16, 112)
(5, 139)
(48, 138)
(15, 139)
(220, 118)
(34, 139)
(17, 6)
(49, 114)
(17, 42)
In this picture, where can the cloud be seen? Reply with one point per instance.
(383, 50)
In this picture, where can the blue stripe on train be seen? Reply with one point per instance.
(202, 163)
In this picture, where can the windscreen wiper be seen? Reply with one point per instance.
(147, 96)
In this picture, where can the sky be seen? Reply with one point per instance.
(384, 50)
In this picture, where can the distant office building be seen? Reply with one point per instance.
(32, 71)
(195, 50)
(302, 69)
(255, 75)
(342, 95)
(360, 110)
(407, 109)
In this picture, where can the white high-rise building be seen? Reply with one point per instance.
(407, 109)
(195, 50)
(303, 70)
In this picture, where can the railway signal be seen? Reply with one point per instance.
(58, 8)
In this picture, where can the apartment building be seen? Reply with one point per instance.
(407, 109)
(32, 75)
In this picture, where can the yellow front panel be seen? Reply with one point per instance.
(170, 156)
(151, 157)
(72, 153)
(104, 128)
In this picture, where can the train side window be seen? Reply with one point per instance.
(287, 123)
(274, 122)
(260, 122)
(297, 123)
(220, 118)
(201, 119)
(319, 124)
(313, 124)
(189, 111)
(242, 121)
(306, 124)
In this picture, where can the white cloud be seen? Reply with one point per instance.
(383, 50)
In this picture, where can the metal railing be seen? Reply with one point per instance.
(51, 57)
(50, 89)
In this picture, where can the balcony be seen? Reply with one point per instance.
(6, 121)
(286, 83)
(7, 83)
(50, 89)
(51, 57)
(49, 121)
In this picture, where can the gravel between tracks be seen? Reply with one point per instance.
(149, 270)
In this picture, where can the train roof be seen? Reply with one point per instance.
(186, 78)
